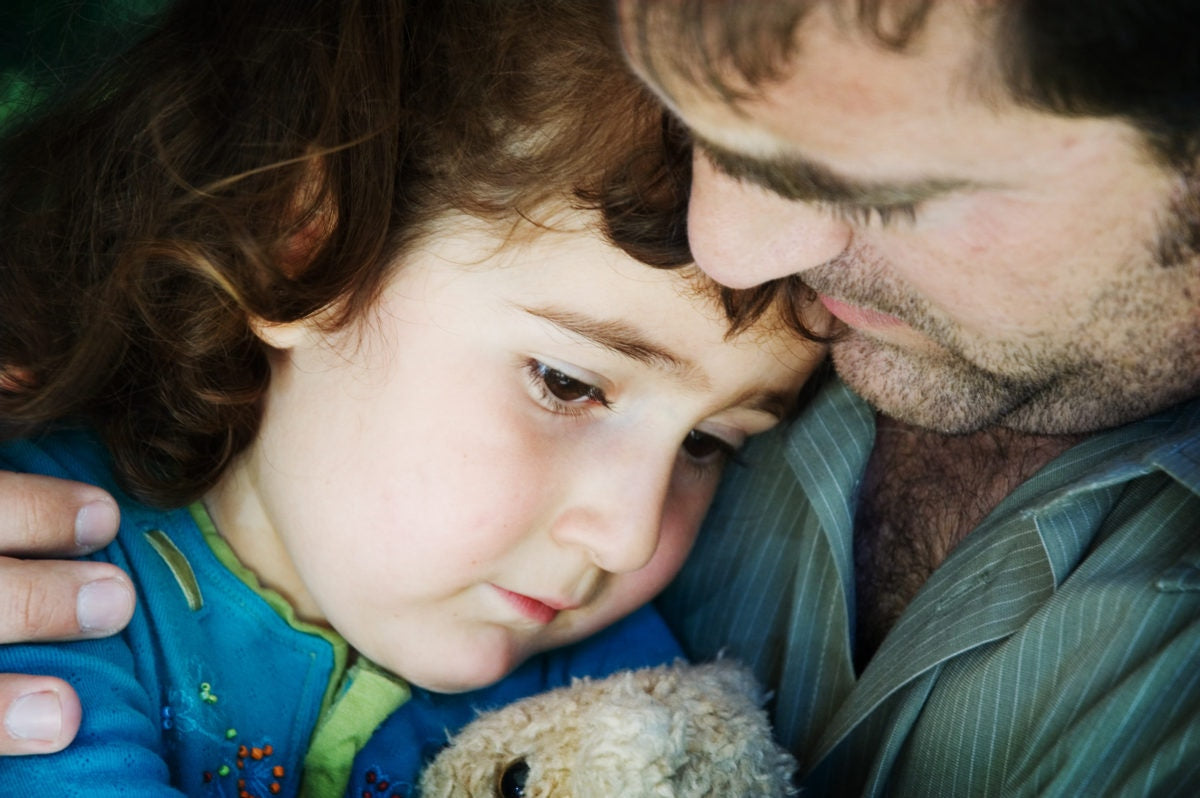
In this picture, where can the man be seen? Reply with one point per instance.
(983, 582)
(984, 579)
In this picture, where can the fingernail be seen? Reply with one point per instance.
(95, 524)
(36, 716)
(103, 606)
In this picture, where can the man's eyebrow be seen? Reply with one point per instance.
(800, 179)
(616, 336)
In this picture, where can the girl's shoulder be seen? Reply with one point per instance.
(65, 453)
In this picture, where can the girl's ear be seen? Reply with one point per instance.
(281, 335)
(15, 379)
(314, 217)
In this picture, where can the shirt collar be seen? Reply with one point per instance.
(830, 443)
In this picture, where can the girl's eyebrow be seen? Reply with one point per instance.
(628, 341)
(618, 336)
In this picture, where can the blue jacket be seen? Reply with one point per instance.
(215, 689)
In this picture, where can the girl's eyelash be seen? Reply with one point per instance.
(885, 215)
(546, 379)
(549, 383)
(726, 454)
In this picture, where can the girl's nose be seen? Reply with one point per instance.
(615, 512)
(742, 234)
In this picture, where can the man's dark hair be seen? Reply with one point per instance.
(1127, 59)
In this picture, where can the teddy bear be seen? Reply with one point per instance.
(672, 731)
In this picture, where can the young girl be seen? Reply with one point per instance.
(347, 303)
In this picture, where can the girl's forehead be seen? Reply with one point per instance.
(565, 252)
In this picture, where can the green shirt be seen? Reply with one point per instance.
(1056, 651)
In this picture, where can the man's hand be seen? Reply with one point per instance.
(44, 599)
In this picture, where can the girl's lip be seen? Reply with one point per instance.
(857, 316)
(536, 610)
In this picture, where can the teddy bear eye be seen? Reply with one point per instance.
(512, 780)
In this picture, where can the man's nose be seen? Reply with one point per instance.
(615, 511)
(743, 235)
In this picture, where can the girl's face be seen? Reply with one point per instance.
(513, 451)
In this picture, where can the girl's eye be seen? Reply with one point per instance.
(568, 389)
(562, 392)
(703, 447)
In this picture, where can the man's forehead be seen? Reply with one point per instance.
(871, 117)
(732, 52)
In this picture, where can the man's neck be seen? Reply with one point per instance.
(922, 493)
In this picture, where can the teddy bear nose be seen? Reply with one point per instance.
(512, 780)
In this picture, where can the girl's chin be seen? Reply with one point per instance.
(446, 671)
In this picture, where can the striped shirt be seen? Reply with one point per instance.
(1056, 651)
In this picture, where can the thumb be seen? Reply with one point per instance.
(41, 714)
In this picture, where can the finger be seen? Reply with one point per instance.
(46, 516)
(41, 714)
(56, 600)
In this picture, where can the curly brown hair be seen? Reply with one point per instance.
(268, 160)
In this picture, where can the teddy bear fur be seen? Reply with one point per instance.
(674, 731)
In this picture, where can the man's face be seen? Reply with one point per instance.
(994, 265)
